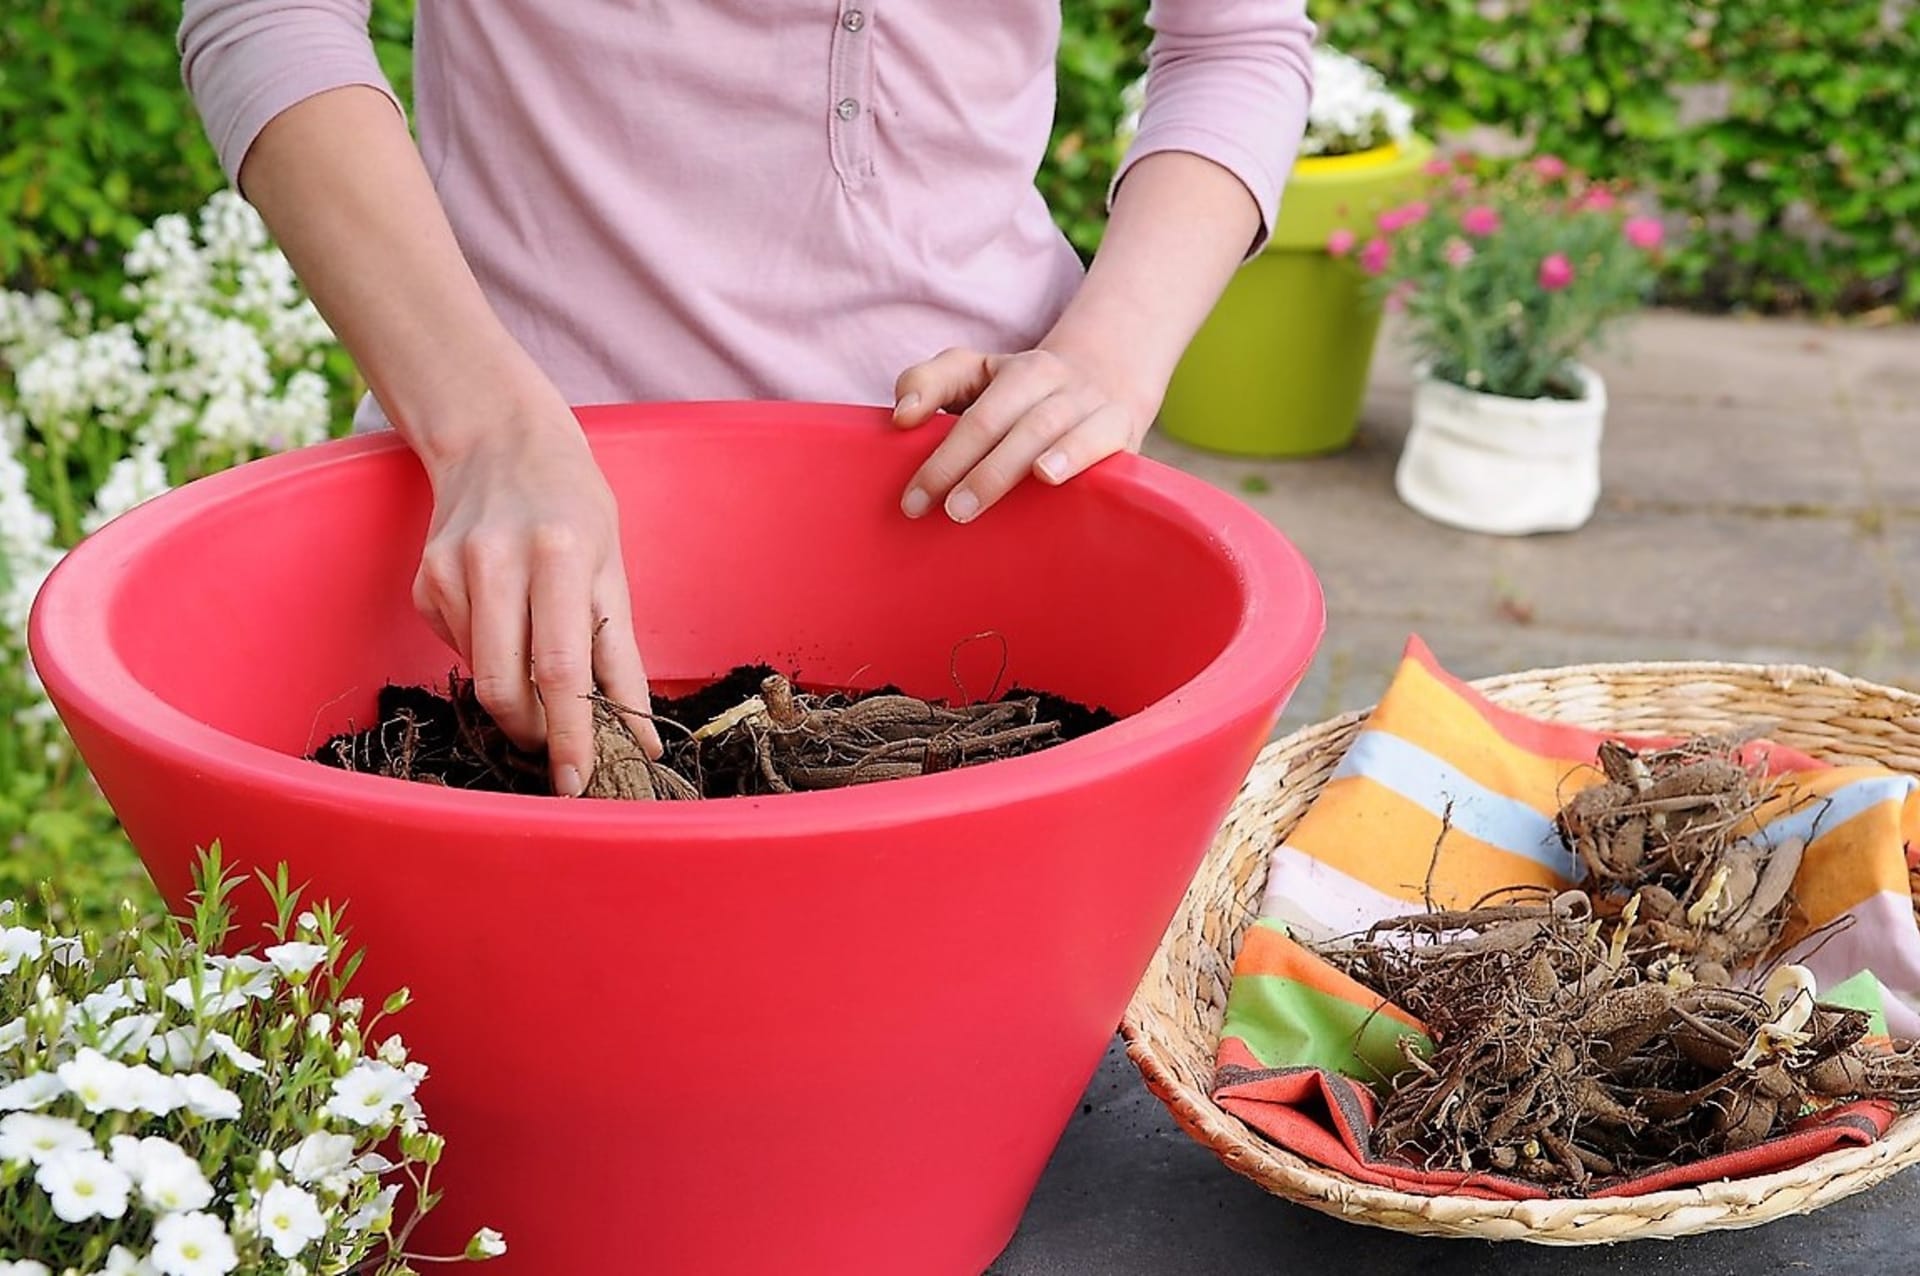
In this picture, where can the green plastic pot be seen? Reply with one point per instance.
(1280, 367)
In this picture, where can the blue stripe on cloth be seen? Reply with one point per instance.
(1818, 816)
(1430, 783)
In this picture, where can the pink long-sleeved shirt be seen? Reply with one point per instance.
(757, 198)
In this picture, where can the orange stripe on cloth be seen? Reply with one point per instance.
(1845, 867)
(1375, 836)
(1564, 740)
(1270, 951)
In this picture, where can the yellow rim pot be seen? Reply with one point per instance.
(1280, 367)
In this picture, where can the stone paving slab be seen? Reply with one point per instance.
(1762, 504)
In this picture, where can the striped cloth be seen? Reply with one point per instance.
(1296, 1029)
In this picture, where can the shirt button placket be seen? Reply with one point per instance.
(850, 140)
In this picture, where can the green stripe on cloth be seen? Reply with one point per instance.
(1286, 1024)
(1861, 992)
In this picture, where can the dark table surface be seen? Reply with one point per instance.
(1127, 1194)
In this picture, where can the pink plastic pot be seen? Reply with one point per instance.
(820, 1033)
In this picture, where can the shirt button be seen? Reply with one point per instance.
(847, 109)
(854, 20)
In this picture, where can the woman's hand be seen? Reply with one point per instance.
(1044, 412)
(522, 575)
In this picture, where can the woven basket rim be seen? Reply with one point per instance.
(1728, 1203)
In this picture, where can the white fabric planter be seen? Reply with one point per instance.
(1509, 467)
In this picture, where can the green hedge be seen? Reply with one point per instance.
(1789, 130)
(98, 136)
(1804, 178)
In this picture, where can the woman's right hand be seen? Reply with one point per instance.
(522, 575)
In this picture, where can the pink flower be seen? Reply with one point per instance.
(1397, 219)
(1599, 199)
(1457, 253)
(1437, 168)
(1461, 187)
(1375, 256)
(1551, 167)
(1480, 221)
(1398, 298)
(1556, 272)
(1340, 242)
(1644, 232)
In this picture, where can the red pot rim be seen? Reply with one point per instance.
(1282, 618)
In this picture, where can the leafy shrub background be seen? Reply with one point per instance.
(1789, 130)
(98, 136)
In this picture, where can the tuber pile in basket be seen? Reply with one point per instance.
(1632, 1024)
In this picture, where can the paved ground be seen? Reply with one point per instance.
(1762, 503)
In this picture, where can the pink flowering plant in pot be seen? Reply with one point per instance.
(1502, 283)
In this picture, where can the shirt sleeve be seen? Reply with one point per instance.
(246, 61)
(1230, 81)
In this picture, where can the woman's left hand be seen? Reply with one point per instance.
(1042, 412)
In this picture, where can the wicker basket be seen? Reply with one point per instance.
(1173, 1025)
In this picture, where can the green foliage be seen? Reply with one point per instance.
(1102, 47)
(57, 830)
(98, 135)
(1788, 133)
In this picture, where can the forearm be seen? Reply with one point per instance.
(339, 182)
(1180, 227)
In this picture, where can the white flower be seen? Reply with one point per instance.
(486, 1243)
(179, 1048)
(230, 1050)
(318, 1156)
(27, 1136)
(306, 922)
(192, 1245)
(377, 1214)
(204, 995)
(296, 959)
(131, 1036)
(320, 1025)
(18, 944)
(256, 975)
(133, 480)
(121, 994)
(84, 1185)
(67, 950)
(394, 1051)
(208, 1099)
(106, 1085)
(30, 1094)
(290, 1219)
(24, 1267)
(102, 1084)
(124, 1262)
(371, 1094)
(13, 1033)
(1352, 108)
(169, 1180)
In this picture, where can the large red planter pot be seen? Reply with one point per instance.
(820, 1033)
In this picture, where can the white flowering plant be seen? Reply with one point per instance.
(213, 356)
(172, 1104)
(1352, 110)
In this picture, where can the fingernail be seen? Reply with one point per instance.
(1053, 466)
(962, 505)
(908, 403)
(569, 783)
(915, 503)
